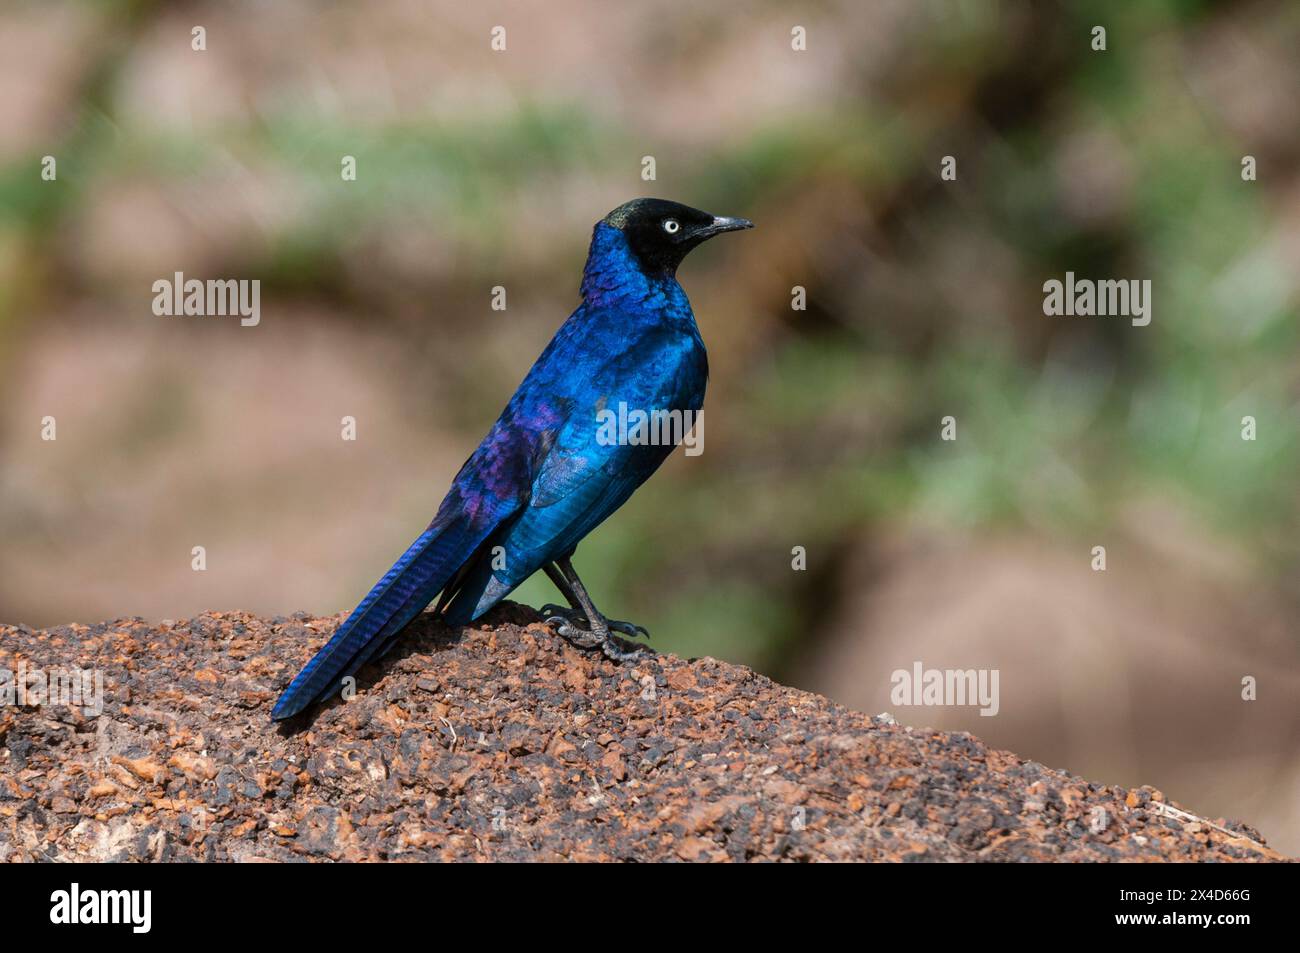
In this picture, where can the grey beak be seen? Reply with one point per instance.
(722, 223)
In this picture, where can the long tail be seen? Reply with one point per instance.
(423, 571)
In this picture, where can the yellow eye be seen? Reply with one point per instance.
(671, 226)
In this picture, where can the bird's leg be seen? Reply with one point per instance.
(569, 623)
(551, 611)
(578, 598)
(576, 613)
(597, 632)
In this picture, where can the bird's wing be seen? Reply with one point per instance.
(582, 479)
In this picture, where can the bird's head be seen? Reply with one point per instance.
(661, 233)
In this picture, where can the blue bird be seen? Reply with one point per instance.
(551, 468)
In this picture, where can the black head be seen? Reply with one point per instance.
(661, 233)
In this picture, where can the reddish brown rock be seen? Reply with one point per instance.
(505, 743)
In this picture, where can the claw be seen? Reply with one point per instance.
(611, 650)
(575, 617)
(565, 623)
(629, 629)
(582, 638)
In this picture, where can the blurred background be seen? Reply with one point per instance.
(478, 168)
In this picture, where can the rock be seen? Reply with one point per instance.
(505, 743)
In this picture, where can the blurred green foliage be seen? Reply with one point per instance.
(925, 296)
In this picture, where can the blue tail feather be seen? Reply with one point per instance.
(410, 585)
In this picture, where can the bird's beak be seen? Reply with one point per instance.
(723, 224)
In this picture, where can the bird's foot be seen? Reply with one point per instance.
(614, 651)
(575, 616)
(591, 637)
(573, 634)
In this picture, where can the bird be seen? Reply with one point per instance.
(547, 473)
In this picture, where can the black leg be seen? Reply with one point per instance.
(566, 569)
(553, 573)
(598, 628)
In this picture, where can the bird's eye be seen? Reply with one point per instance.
(671, 226)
